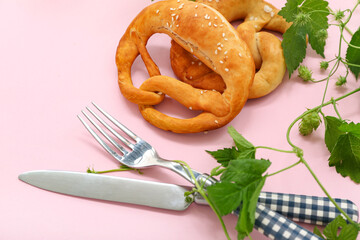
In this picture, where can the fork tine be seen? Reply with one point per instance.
(121, 149)
(99, 140)
(118, 124)
(112, 130)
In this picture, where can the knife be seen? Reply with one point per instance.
(170, 196)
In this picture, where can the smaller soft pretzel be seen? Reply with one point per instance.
(265, 48)
(197, 28)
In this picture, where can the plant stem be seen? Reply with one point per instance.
(284, 169)
(325, 191)
(201, 191)
(275, 149)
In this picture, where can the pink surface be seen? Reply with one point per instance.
(58, 56)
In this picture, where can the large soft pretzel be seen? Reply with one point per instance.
(197, 28)
(265, 47)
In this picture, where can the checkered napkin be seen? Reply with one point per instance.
(308, 209)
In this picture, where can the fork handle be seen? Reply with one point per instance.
(302, 208)
(308, 209)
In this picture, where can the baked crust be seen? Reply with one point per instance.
(198, 28)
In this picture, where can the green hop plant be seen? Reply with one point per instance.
(340, 81)
(324, 65)
(305, 73)
(309, 123)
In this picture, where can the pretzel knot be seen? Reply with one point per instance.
(187, 23)
(265, 48)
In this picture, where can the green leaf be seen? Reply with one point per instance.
(345, 155)
(349, 232)
(246, 220)
(318, 232)
(309, 19)
(294, 47)
(240, 142)
(245, 171)
(223, 156)
(290, 10)
(331, 230)
(317, 29)
(332, 131)
(225, 196)
(353, 54)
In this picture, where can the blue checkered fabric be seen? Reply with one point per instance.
(308, 209)
(276, 226)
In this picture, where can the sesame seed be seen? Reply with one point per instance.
(219, 48)
(223, 34)
(216, 121)
(177, 25)
(200, 63)
(190, 77)
(160, 93)
(201, 92)
(221, 61)
(215, 25)
(192, 63)
(225, 39)
(226, 69)
(240, 55)
(209, 23)
(195, 14)
(157, 11)
(172, 9)
(177, 17)
(173, 14)
(225, 52)
(190, 108)
(267, 9)
(216, 51)
(272, 14)
(216, 17)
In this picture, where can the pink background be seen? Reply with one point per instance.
(58, 56)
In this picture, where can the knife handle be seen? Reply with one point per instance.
(308, 209)
(276, 226)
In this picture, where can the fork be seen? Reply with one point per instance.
(141, 154)
(138, 154)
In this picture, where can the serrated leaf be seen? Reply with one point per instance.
(294, 47)
(350, 128)
(245, 171)
(309, 18)
(345, 155)
(353, 54)
(349, 232)
(290, 10)
(225, 196)
(332, 131)
(319, 22)
(331, 230)
(240, 142)
(223, 156)
(246, 220)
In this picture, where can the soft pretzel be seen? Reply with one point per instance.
(265, 47)
(197, 28)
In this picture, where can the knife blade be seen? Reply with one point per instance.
(159, 195)
(117, 189)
